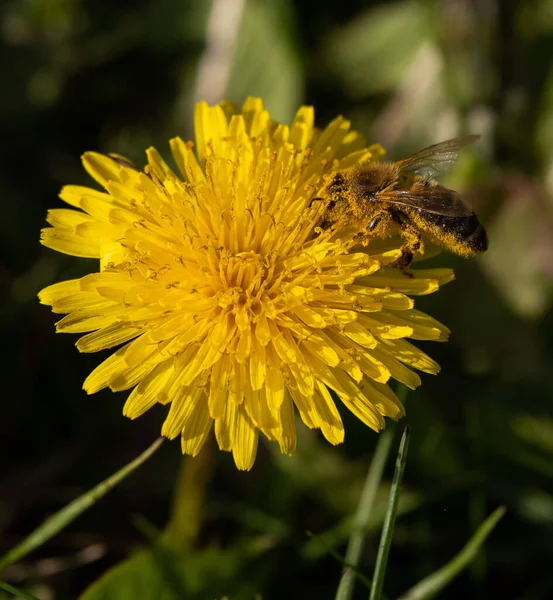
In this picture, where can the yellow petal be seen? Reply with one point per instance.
(131, 376)
(183, 406)
(274, 387)
(381, 397)
(186, 161)
(89, 319)
(396, 369)
(258, 366)
(101, 168)
(329, 417)
(67, 242)
(225, 426)
(65, 218)
(104, 372)
(360, 335)
(108, 337)
(55, 292)
(320, 348)
(286, 434)
(307, 408)
(364, 411)
(149, 391)
(196, 428)
(74, 194)
(302, 128)
(245, 440)
(216, 402)
(412, 356)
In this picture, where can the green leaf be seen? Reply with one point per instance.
(519, 251)
(536, 505)
(437, 581)
(264, 62)
(535, 431)
(150, 574)
(374, 52)
(162, 573)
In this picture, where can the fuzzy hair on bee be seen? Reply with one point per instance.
(381, 198)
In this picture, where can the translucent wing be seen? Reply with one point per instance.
(437, 200)
(437, 158)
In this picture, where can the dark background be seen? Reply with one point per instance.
(120, 76)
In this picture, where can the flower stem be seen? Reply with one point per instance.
(188, 499)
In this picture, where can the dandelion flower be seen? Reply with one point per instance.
(228, 302)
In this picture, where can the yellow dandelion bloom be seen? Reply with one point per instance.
(233, 306)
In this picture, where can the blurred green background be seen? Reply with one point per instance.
(118, 77)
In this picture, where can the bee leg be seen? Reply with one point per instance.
(375, 222)
(314, 200)
(403, 262)
(326, 221)
(413, 243)
(330, 203)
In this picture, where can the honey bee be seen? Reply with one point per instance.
(380, 197)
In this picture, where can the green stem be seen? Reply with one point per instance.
(189, 498)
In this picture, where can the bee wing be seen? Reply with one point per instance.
(437, 158)
(436, 200)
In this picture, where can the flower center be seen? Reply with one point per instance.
(243, 282)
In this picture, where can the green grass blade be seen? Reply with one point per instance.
(366, 582)
(365, 508)
(410, 501)
(363, 513)
(390, 519)
(59, 520)
(437, 581)
(16, 592)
